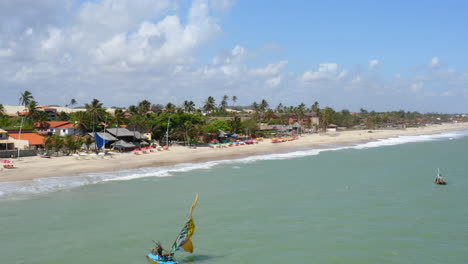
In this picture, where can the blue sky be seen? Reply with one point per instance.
(377, 55)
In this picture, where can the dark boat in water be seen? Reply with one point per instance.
(439, 179)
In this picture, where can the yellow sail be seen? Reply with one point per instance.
(188, 246)
(183, 240)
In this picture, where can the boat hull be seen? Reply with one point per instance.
(157, 260)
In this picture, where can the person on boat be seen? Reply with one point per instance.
(159, 253)
(439, 179)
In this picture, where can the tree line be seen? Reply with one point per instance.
(191, 123)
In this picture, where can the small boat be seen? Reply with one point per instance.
(183, 242)
(439, 179)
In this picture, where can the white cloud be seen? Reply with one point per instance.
(416, 87)
(373, 64)
(435, 62)
(325, 72)
(273, 82)
(6, 52)
(122, 51)
(270, 69)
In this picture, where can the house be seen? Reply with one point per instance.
(50, 111)
(26, 140)
(61, 128)
(5, 143)
(125, 134)
(103, 139)
(309, 119)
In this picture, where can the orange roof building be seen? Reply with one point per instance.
(33, 138)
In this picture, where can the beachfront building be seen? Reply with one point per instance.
(128, 136)
(60, 128)
(310, 119)
(5, 143)
(103, 139)
(26, 140)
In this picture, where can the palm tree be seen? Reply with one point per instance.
(255, 107)
(81, 120)
(120, 118)
(25, 99)
(279, 108)
(88, 141)
(72, 103)
(236, 124)
(209, 104)
(223, 104)
(263, 105)
(58, 142)
(234, 99)
(144, 106)
(327, 116)
(315, 107)
(32, 110)
(189, 106)
(48, 143)
(2, 109)
(95, 110)
(170, 107)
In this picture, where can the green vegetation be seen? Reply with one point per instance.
(191, 124)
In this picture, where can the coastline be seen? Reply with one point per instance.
(29, 168)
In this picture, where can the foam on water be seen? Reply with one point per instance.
(25, 189)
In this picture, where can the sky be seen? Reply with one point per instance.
(376, 55)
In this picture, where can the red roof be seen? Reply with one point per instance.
(69, 125)
(33, 138)
(60, 124)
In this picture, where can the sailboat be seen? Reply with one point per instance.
(439, 179)
(182, 242)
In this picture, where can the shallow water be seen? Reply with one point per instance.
(370, 203)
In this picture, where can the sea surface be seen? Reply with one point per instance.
(371, 202)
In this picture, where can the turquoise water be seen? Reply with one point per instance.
(371, 203)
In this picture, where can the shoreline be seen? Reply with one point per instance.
(29, 168)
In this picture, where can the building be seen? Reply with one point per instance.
(60, 128)
(26, 140)
(50, 111)
(5, 143)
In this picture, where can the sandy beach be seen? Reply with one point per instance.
(28, 168)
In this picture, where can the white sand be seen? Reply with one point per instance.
(35, 167)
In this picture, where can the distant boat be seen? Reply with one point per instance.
(439, 179)
(182, 242)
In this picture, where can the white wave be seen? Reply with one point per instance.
(24, 189)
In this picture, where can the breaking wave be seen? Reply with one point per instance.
(26, 189)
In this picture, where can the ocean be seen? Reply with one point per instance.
(360, 203)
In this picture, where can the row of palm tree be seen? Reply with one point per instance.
(189, 123)
(67, 144)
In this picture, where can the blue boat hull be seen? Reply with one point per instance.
(156, 259)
